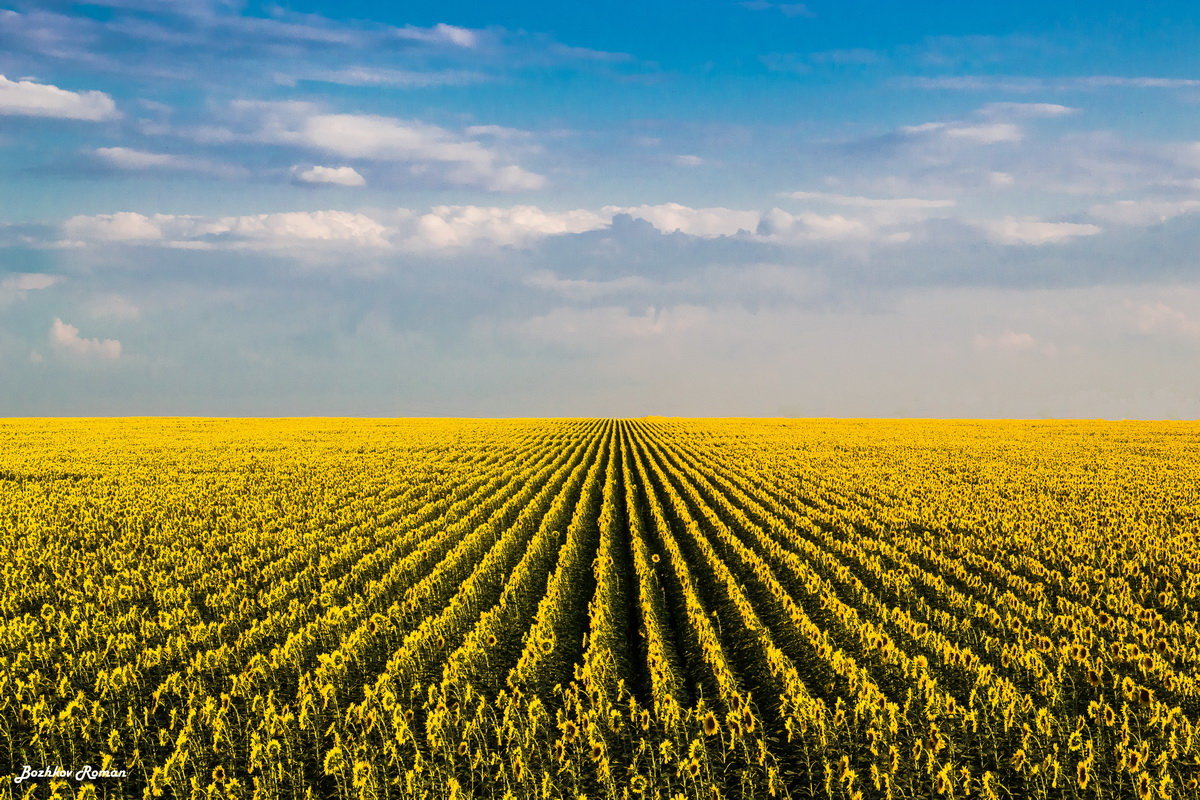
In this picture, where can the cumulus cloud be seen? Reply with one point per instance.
(123, 226)
(783, 227)
(1160, 318)
(670, 217)
(334, 227)
(257, 231)
(66, 339)
(441, 228)
(428, 149)
(336, 176)
(454, 227)
(29, 99)
(688, 161)
(1033, 231)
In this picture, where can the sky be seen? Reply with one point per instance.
(704, 208)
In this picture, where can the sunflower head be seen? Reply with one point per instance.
(1082, 774)
(710, 724)
(1143, 788)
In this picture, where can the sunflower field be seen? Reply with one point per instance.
(657, 608)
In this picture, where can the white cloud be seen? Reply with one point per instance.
(452, 227)
(1025, 110)
(258, 231)
(870, 202)
(993, 133)
(1033, 231)
(1001, 83)
(442, 228)
(1160, 318)
(29, 99)
(1143, 212)
(1012, 342)
(1106, 81)
(780, 226)
(66, 339)
(430, 149)
(973, 83)
(688, 161)
(992, 124)
(670, 217)
(125, 158)
(16, 287)
(337, 176)
(123, 226)
(375, 76)
(29, 282)
(304, 227)
(441, 33)
(497, 132)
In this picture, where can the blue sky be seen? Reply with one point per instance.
(706, 208)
